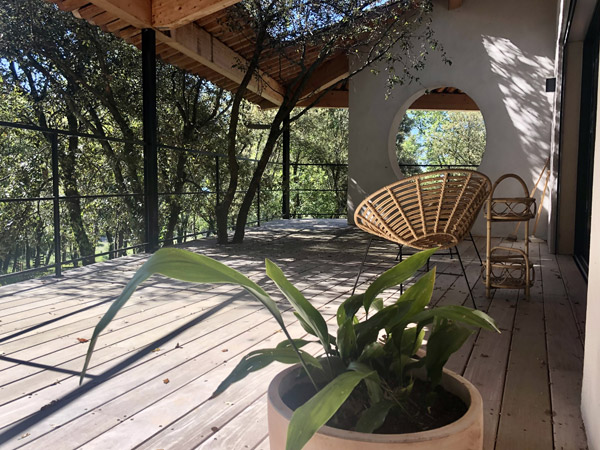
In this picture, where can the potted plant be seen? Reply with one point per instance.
(373, 386)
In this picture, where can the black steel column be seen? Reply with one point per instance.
(56, 207)
(150, 138)
(285, 207)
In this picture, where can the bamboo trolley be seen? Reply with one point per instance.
(506, 267)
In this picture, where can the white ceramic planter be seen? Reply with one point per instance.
(464, 434)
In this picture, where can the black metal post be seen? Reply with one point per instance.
(285, 207)
(150, 138)
(56, 207)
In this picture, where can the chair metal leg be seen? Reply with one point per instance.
(399, 256)
(476, 249)
(362, 265)
(466, 279)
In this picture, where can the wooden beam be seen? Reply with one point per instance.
(332, 99)
(453, 4)
(136, 12)
(445, 102)
(330, 73)
(200, 45)
(176, 13)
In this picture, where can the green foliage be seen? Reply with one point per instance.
(359, 354)
(98, 92)
(440, 137)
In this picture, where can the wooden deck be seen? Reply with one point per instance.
(159, 361)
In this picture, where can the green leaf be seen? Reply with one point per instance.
(377, 304)
(305, 326)
(346, 340)
(368, 331)
(259, 359)
(372, 380)
(458, 314)
(315, 413)
(312, 318)
(417, 297)
(419, 294)
(349, 308)
(186, 266)
(371, 351)
(396, 275)
(373, 418)
(288, 344)
(443, 341)
(407, 341)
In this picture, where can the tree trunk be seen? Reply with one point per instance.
(222, 210)
(297, 196)
(242, 218)
(68, 161)
(16, 258)
(74, 256)
(111, 244)
(120, 239)
(174, 201)
(39, 234)
(27, 255)
(49, 255)
(6, 264)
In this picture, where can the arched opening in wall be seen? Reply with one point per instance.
(443, 128)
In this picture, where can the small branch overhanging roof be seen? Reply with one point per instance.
(193, 35)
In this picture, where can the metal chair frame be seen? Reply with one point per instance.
(433, 209)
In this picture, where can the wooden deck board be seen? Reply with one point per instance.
(565, 357)
(525, 420)
(133, 407)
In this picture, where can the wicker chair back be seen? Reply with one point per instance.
(433, 209)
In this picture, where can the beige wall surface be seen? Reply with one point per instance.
(501, 53)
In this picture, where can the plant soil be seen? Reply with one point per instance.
(424, 409)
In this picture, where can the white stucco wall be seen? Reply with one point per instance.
(590, 394)
(501, 53)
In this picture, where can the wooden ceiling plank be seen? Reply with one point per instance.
(177, 13)
(103, 19)
(70, 5)
(329, 73)
(117, 25)
(453, 4)
(136, 12)
(331, 99)
(445, 102)
(201, 46)
(88, 12)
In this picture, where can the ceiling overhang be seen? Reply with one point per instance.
(190, 34)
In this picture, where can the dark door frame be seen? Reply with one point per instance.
(587, 134)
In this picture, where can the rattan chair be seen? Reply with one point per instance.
(433, 209)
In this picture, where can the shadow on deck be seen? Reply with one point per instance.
(158, 362)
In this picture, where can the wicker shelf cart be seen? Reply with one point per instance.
(507, 267)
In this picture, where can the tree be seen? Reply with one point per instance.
(71, 75)
(371, 31)
(443, 138)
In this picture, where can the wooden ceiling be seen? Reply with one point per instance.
(445, 99)
(193, 35)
